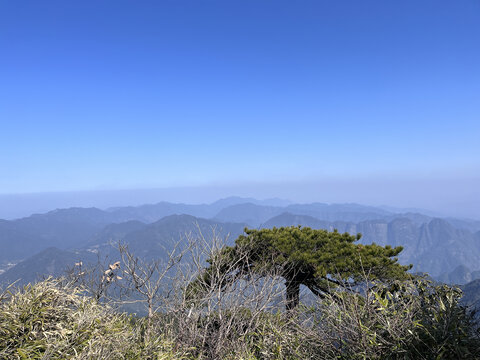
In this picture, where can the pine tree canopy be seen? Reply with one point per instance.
(321, 260)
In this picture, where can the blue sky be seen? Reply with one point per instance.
(98, 95)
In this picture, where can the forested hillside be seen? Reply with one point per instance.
(447, 249)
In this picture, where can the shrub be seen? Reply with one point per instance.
(410, 320)
(53, 320)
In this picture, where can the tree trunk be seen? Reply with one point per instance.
(293, 294)
(150, 316)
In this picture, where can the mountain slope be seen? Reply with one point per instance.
(66, 228)
(437, 246)
(157, 239)
(51, 261)
(148, 241)
(249, 213)
(153, 212)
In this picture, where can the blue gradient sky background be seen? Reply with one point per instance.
(367, 101)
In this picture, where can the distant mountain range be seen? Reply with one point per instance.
(41, 244)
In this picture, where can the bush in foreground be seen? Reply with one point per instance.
(52, 320)
(401, 320)
(409, 320)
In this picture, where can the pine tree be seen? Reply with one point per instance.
(321, 260)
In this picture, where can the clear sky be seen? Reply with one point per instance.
(98, 95)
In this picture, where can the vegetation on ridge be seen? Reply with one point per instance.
(55, 320)
(320, 260)
(241, 317)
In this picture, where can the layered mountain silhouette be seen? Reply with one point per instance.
(44, 244)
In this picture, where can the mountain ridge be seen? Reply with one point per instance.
(431, 244)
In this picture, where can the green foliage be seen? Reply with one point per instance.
(51, 320)
(318, 259)
(445, 329)
(319, 253)
(409, 320)
(412, 319)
